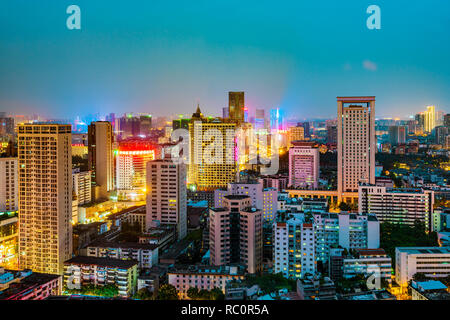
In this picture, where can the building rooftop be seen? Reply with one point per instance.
(236, 197)
(424, 250)
(124, 245)
(208, 269)
(102, 262)
(428, 285)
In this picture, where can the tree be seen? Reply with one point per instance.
(143, 294)
(419, 276)
(343, 206)
(167, 292)
(216, 294)
(192, 293)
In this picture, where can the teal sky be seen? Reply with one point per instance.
(163, 57)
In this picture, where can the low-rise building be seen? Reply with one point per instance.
(28, 285)
(203, 277)
(146, 254)
(431, 261)
(367, 262)
(429, 290)
(81, 271)
(313, 288)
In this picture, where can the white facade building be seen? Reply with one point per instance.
(166, 195)
(293, 247)
(350, 231)
(397, 205)
(432, 261)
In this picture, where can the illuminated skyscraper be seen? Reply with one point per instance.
(132, 159)
(236, 105)
(356, 142)
(429, 119)
(45, 197)
(100, 159)
(208, 170)
(295, 134)
(277, 120)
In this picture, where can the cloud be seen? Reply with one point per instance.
(369, 65)
(347, 67)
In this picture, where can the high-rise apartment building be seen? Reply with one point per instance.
(236, 105)
(166, 195)
(100, 159)
(397, 135)
(440, 135)
(264, 199)
(9, 184)
(208, 170)
(430, 119)
(295, 134)
(348, 230)
(235, 234)
(293, 246)
(6, 125)
(356, 142)
(397, 205)
(82, 185)
(304, 165)
(45, 196)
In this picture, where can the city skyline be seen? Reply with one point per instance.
(162, 59)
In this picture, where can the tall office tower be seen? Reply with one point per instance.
(9, 184)
(304, 165)
(306, 126)
(6, 126)
(350, 231)
(440, 134)
(225, 113)
(293, 246)
(260, 119)
(180, 124)
(145, 124)
(356, 142)
(439, 118)
(235, 234)
(131, 168)
(264, 199)
(236, 105)
(420, 118)
(397, 135)
(429, 119)
(295, 134)
(277, 120)
(82, 185)
(166, 195)
(45, 197)
(412, 126)
(447, 120)
(208, 170)
(332, 134)
(100, 159)
(129, 126)
(397, 205)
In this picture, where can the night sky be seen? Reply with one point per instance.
(162, 57)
